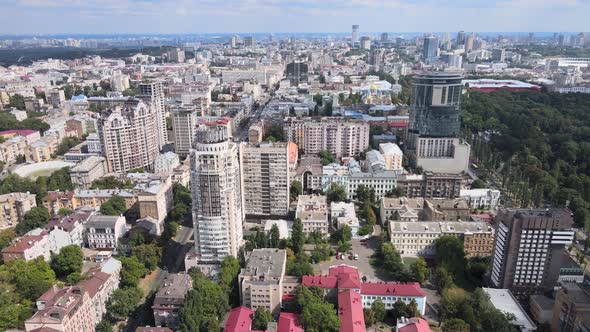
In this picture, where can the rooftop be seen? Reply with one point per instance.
(265, 263)
(441, 227)
(390, 149)
(350, 311)
(392, 288)
(173, 290)
(98, 221)
(504, 301)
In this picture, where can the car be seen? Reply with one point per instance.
(356, 257)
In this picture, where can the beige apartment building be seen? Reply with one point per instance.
(342, 137)
(130, 136)
(414, 239)
(88, 170)
(261, 281)
(13, 207)
(313, 212)
(265, 178)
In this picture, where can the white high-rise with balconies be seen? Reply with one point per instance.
(217, 198)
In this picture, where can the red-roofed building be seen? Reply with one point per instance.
(28, 247)
(390, 292)
(288, 322)
(347, 276)
(239, 320)
(320, 281)
(350, 311)
(29, 134)
(412, 325)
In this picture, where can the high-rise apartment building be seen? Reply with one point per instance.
(430, 48)
(249, 41)
(355, 34)
(365, 43)
(384, 37)
(342, 137)
(529, 249)
(498, 54)
(265, 178)
(184, 124)
(435, 123)
(153, 94)
(217, 197)
(460, 38)
(233, 41)
(469, 43)
(129, 135)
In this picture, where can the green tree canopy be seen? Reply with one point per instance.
(34, 218)
(326, 157)
(297, 236)
(419, 270)
(295, 190)
(450, 254)
(69, 260)
(114, 206)
(336, 193)
(31, 278)
(123, 301)
(147, 254)
(261, 318)
(132, 270)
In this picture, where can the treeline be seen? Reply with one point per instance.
(538, 145)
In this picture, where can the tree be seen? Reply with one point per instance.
(320, 317)
(452, 301)
(369, 317)
(69, 260)
(450, 254)
(295, 190)
(114, 206)
(455, 325)
(336, 193)
(327, 157)
(391, 261)
(147, 254)
(261, 318)
(6, 237)
(66, 144)
(442, 279)
(204, 306)
(17, 101)
(104, 326)
(74, 278)
(111, 182)
(299, 265)
(401, 309)
(34, 218)
(419, 270)
(378, 309)
(228, 278)
(275, 236)
(343, 234)
(297, 236)
(64, 212)
(123, 301)
(60, 180)
(132, 270)
(31, 278)
(479, 184)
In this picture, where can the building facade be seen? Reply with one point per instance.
(13, 208)
(261, 280)
(184, 124)
(265, 178)
(170, 299)
(153, 94)
(529, 249)
(104, 232)
(313, 212)
(217, 197)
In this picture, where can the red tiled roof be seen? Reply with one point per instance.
(350, 311)
(96, 279)
(24, 243)
(54, 195)
(239, 320)
(20, 132)
(288, 323)
(320, 281)
(347, 276)
(392, 288)
(416, 325)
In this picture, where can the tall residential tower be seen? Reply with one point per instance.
(153, 94)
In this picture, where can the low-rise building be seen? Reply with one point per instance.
(155, 199)
(67, 230)
(103, 232)
(13, 207)
(88, 170)
(170, 299)
(541, 309)
(261, 280)
(28, 247)
(503, 300)
(393, 156)
(166, 163)
(420, 209)
(571, 311)
(342, 213)
(55, 200)
(312, 210)
(417, 238)
(414, 324)
(481, 198)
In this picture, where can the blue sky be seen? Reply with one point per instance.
(210, 16)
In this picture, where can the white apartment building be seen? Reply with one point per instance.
(393, 156)
(103, 232)
(481, 198)
(153, 93)
(312, 210)
(184, 123)
(88, 170)
(265, 178)
(166, 163)
(381, 182)
(129, 136)
(342, 213)
(217, 197)
(342, 137)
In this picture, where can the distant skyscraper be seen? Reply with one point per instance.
(461, 38)
(529, 249)
(129, 136)
(249, 41)
(469, 43)
(217, 197)
(153, 94)
(365, 43)
(233, 41)
(498, 54)
(435, 123)
(384, 37)
(355, 34)
(430, 48)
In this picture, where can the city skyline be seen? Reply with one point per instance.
(303, 16)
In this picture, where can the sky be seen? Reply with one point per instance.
(247, 16)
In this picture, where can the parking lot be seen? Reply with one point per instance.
(363, 264)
